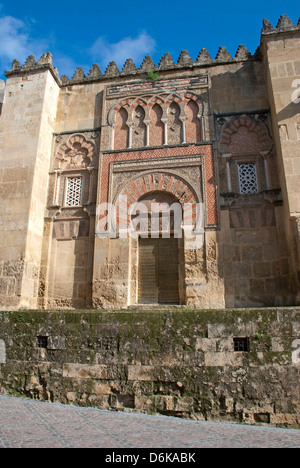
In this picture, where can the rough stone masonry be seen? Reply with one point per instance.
(231, 365)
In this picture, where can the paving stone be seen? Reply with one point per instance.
(31, 424)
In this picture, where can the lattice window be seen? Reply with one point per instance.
(74, 189)
(241, 345)
(248, 178)
(42, 342)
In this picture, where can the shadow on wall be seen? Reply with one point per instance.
(98, 110)
(241, 89)
(290, 111)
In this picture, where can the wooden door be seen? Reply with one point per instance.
(158, 271)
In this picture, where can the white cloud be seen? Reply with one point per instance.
(12, 37)
(16, 42)
(129, 47)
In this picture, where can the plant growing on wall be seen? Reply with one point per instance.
(153, 76)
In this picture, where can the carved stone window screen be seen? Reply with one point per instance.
(73, 191)
(248, 178)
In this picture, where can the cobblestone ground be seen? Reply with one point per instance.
(30, 424)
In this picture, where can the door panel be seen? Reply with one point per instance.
(158, 271)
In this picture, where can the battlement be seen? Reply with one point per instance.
(285, 24)
(130, 69)
(166, 63)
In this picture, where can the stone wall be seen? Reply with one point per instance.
(26, 128)
(175, 361)
(280, 48)
(2, 91)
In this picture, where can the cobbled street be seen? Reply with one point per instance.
(31, 424)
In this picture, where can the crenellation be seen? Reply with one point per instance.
(65, 80)
(79, 75)
(267, 26)
(147, 64)
(30, 62)
(95, 72)
(129, 67)
(242, 53)
(204, 57)
(185, 59)
(284, 24)
(166, 62)
(112, 70)
(16, 65)
(223, 55)
(46, 59)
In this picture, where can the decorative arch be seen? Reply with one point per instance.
(197, 99)
(138, 127)
(156, 100)
(193, 122)
(245, 135)
(173, 98)
(127, 104)
(77, 152)
(121, 129)
(164, 182)
(156, 126)
(175, 124)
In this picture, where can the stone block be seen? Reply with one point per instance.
(85, 371)
(251, 253)
(262, 270)
(223, 359)
(206, 345)
(141, 373)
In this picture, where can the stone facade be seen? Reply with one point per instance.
(222, 133)
(231, 365)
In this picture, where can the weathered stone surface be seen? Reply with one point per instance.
(2, 352)
(175, 362)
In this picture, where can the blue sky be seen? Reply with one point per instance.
(80, 34)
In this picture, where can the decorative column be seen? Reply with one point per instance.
(147, 123)
(57, 187)
(267, 171)
(130, 135)
(183, 120)
(91, 172)
(113, 129)
(165, 122)
(228, 175)
(202, 123)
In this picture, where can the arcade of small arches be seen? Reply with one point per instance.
(169, 120)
